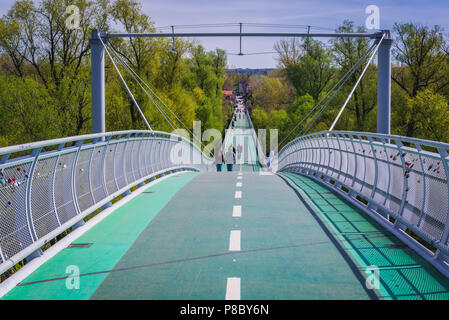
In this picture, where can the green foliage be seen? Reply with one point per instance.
(205, 80)
(45, 89)
(272, 93)
(313, 71)
(427, 114)
(420, 88)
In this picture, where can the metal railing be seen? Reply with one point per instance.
(58, 182)
(388, 177)
(259, 150)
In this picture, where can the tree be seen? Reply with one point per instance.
(271, 94)
(347, 52)
(313, 70)
(424, 63)
(289, 52)
(427, 114)
(205, 80)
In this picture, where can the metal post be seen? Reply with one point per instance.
(384, 86)
(98, 97)
(240, 53)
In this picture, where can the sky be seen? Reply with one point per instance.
(326, 14)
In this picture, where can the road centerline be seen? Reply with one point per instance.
(234, 240)
(233, 289)
(237, 211)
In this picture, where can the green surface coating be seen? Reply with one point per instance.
(172, 242)
(403, 274)
(110, 239)
(183, 253)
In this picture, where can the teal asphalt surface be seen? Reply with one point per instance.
(298, 240)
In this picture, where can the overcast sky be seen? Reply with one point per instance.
(320, 13)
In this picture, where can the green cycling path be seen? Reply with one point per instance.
(241, 134)
(298, 241)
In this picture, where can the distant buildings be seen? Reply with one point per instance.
(228, 95)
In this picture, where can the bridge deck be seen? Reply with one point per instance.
(172, 242)
(284, 236)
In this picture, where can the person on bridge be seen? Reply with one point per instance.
(230, 158)
(239, 151)
(270, 158)
(219, 160)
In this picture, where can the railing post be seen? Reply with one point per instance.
(34, 154)
(79, 144)
(38, 252)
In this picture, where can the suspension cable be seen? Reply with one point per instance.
(124, 83)
(139, 80)
(127, 68)
(343, 78)
(356, 84)
(148, 87)
(310, 124)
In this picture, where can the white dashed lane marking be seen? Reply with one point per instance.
(234, 240)
(233, 289)
(238, 194)
(239, 184)
(237, 211)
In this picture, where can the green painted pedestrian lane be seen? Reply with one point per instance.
(235, 235)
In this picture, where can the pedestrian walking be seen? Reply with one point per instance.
(230, 158)
(219, 160)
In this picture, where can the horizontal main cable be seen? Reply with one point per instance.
(247, 34)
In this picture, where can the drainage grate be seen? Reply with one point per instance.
(79, 245)
(148, 192)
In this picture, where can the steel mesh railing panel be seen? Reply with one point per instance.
(148, 157)
(110, 157)
(136, 160)
(82, 180)
(42, 194)
(119, 165)
(393, 177)
(141, 159)
(383, 176)
(97, 179)
(63, 188)
(360, 167)
(15, 233)
(43, 208)
(436, 204)
(129, 174)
